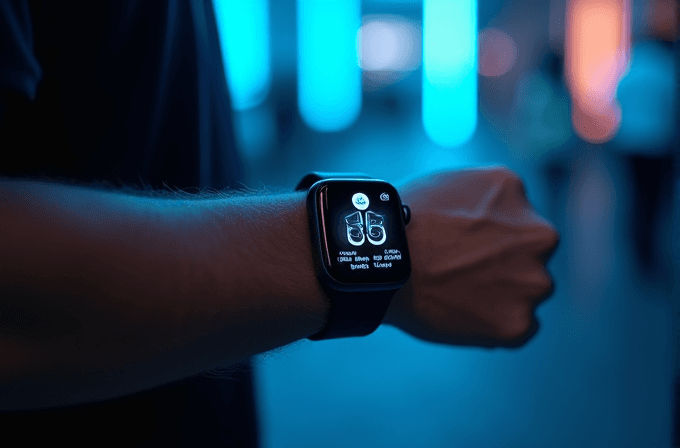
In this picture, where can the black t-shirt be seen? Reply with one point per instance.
(125, 93)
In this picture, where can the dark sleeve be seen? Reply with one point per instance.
(19, 69)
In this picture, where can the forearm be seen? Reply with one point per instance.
(105, 294)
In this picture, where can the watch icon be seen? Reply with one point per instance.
(360, 201)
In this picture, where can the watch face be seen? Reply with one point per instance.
(362, 232)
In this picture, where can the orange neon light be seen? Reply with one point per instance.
(597, 54)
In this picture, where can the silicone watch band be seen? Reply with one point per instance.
(311, 178)
(351, 314)
(354, 314)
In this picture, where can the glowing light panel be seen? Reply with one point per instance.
(243, 27)
(450, 70)
(388, 42)
(597, 52)
(329, 77)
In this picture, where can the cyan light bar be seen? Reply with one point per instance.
(243, 27)
(329, 77)
(450, 70)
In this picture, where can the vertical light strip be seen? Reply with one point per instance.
(597, 54)
(243, 27)
(329, 77)
(450, 70)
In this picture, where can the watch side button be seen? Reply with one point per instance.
(407, 213)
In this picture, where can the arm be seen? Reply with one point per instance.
(104, 294)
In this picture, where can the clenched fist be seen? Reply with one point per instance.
(478, 255)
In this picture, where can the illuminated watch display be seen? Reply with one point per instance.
(361, 231)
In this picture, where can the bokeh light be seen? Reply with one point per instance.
(497, 52)
(388, 42)
(597, 53)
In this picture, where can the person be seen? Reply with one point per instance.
(117, 298)
(112, 96)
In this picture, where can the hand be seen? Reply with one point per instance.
(478, 254)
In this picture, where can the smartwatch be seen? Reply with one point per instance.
(361, 258)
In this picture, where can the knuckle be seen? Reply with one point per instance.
(542, 289)
(511, 181)
(516, 323)
(505, 174)
(537, 283)
(548, 236)
(553, 236)
(513, 331)
(499, 169)
(545, 284)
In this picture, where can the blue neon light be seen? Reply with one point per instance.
(450, 70)
(329, 77)
(243, 27)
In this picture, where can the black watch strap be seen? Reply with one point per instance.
(351, 314)
(354, 314)
(313, 177)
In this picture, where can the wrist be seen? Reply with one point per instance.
(266, 256)
(359, 249)
(398, 311)
(395, 313)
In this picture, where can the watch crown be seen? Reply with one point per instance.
(407, 213)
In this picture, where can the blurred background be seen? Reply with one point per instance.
(580, 97)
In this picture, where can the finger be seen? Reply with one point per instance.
(547, 254)
(525, 337)
(548, 291)
(517, 186)
(546, 236)
(514, 190)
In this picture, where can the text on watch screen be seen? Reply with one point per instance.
(362, 232)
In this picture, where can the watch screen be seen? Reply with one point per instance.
(362, 232)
